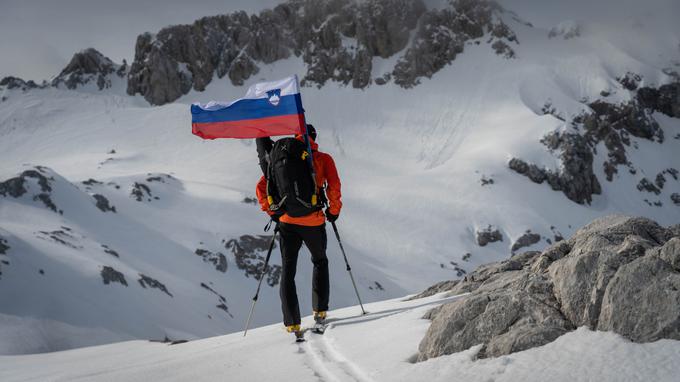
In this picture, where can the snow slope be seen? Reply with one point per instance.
(375, 347)
(411, 162)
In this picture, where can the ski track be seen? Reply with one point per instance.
(330, 363)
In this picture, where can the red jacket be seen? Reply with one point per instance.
(326, 174)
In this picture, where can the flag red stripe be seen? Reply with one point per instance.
(250, 128)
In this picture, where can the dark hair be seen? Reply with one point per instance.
(311, 131)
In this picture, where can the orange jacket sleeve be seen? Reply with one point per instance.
(332, 185)
(261, 192)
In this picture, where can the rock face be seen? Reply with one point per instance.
(88, 66)
(488, 235)
(17, 83)
(526, 240)
(20, 185)
(336, 39)
(614, 125)
(618, 274)
(110, 275)
(249, 253)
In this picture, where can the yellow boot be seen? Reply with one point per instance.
(297, 330)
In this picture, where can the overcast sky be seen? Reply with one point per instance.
(38, 37)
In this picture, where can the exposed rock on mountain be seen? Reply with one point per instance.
(216, 258)
(110, 275)
(18, 83)
(88, 66)
(146, 281)
(488, 235)
(612, 124)
(103, 203)
(248, 252)
(20, 185)
(526, 240)
(4, 247)
(337, 40)
(618, 274)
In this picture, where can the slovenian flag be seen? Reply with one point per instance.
(268, 109)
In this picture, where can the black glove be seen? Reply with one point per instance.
(331, 218)
(275, 217)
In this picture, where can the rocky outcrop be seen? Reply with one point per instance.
(575, 178)
(488, 235)
(20, 185)
(110, 275)
(4, 247)
(249, 252)
(217, 259)
(103, 203)
(336, 39)
(146, 281)
(527, 239)
(614, 125)
(442, 36)
(665, 99)
(89, 66)
(11, 82)
(675, 198)
(618, 274)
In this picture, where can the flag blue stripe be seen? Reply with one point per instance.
(249, 109)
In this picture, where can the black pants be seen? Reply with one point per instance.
(291, 238)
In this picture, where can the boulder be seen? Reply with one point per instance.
(619, 274)
(488, 235)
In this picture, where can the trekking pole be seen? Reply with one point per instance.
(259, 284)
(349, 269)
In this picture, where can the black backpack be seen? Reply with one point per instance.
(291, 187)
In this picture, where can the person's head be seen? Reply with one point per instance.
(311, 131)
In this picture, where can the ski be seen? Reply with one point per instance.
(318, 328)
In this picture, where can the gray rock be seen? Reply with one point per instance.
(146, 281)
(488, 235)
(670, 252)
(575, 178)
(442, 36)
(4, 247)
(103, 203)
(248, 253)
(526, 240)
(336, 39)
(110, 275)
(17, 187)
(642, 301)
(675, 198)
(88, 66)
(11, 82)
(109, 251)
(665, 99)
(216, 258)
(618, 273)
